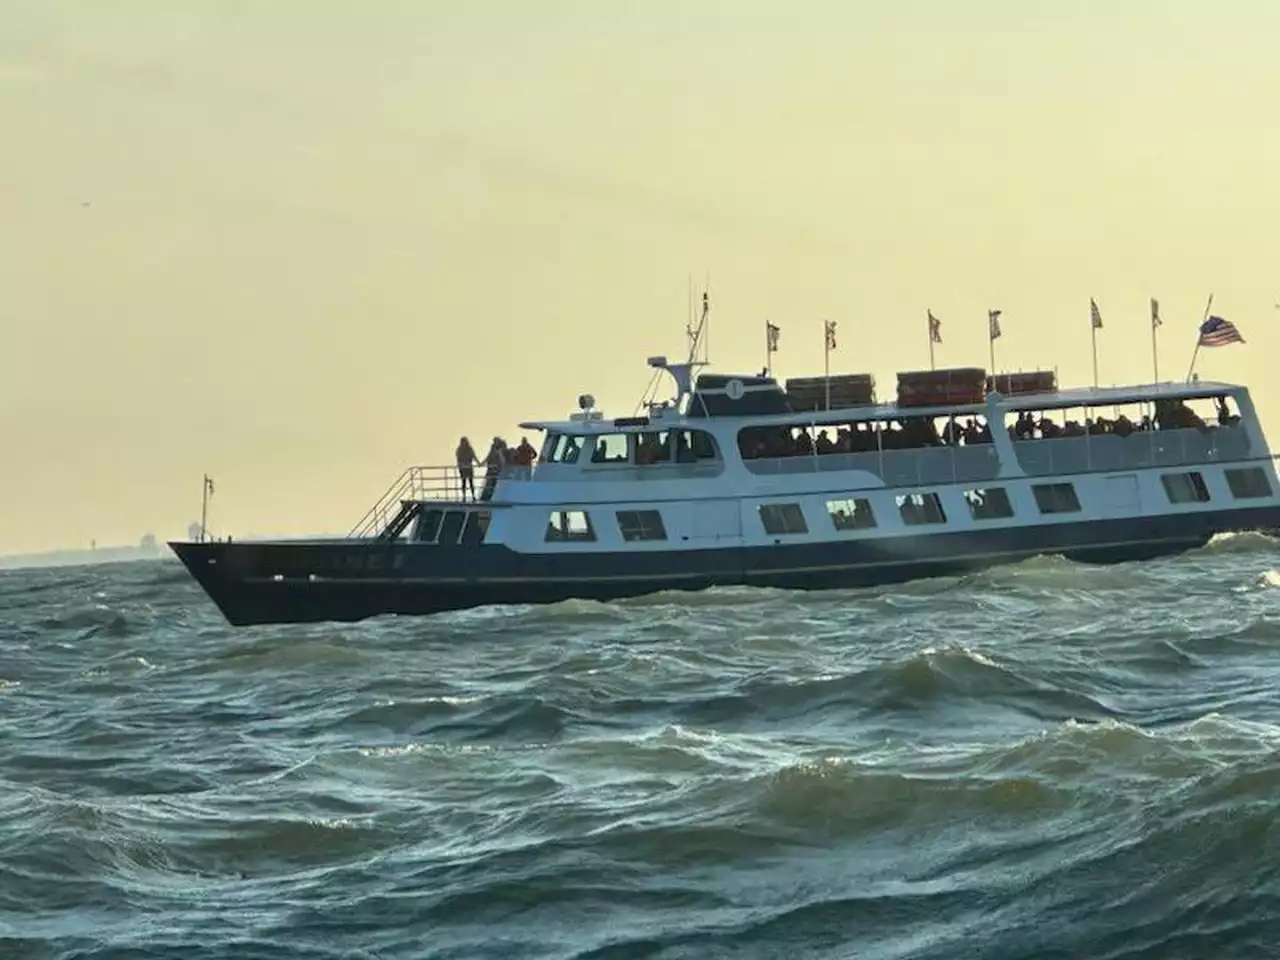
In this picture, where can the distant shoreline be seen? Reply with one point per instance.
(80, 558)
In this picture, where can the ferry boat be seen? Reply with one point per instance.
(807, 484)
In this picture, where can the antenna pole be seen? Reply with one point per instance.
(204, 508)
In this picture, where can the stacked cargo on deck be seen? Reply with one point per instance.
(940, 388)
(846, 390)
(1014, 384)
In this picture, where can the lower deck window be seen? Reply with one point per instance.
(428, 526)
(851, 514)
(641, 525)
(918, 508)
(1185, 487)
(566, 525)
(1249, 483)
(1056, 498)
(781, 518)
(476, 527)
(989, 503)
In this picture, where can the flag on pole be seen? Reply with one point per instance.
(831, 334)
(208, 485)
(1155, 312)
(935, 328)
(772, 330)
(993, 323)
(1216, 332)
(1095, 315)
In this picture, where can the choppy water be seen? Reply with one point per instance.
(1048, 760)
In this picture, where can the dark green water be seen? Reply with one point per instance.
(1043, 761)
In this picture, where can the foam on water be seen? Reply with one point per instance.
(1040, 760)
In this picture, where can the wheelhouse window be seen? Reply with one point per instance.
(989, 503)
(782, 518)
(428, 527)
(921, 508)
(1248, 483)
(610, 448)
(653, 447)
(1185, 487)
(562, 448)
(641, 525)
(852, 514)
(1056, 498)
(476, 527)
(569, 525)
(693, 446)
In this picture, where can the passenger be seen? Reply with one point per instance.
(466, 459)
(494, 461)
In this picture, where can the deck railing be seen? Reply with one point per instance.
(443, 483)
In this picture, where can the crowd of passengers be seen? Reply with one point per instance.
(914, 433)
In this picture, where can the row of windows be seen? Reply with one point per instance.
(916, 509)
(659, 446)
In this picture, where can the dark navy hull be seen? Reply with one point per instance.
(347, 580)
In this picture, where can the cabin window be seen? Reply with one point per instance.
(476, 527)
(610, 448)
(919, 508)
(641, 525)
(989, 503)
(1185, 487)
(564, 449)
(781, 518)
(566, 525)
(694, 445)
(1248, 483)
(851, 514)
(1056, 498)
(653, 447)
(549, 445)
(451, 527)
(428, 526)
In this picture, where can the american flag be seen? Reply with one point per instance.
(1155, 312)
(935, 328)
(831, 334)
(1095, 315)
(771, 336)
(993, 323)
(1216, 332)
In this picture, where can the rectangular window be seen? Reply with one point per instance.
(653, 448)
(477, 526)
(1248, 483)
(1185, 487)
(610, 448)
(989, 503)
(918, 508)
(783, 518)
(851, 514)
(1056, 498)
(428, 526)
(641, 525)
(569, 525)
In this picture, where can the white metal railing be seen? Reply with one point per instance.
(439, 483)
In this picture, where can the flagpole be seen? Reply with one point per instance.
(204, 507)
(768, 351)
(992, 343)
(1094, 330)
(1155, 352)
(826, 359)
(928, 323)
(1196, 352)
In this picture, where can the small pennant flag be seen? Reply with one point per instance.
(771, 331)
(1095, 316)
(831, 334)
(1216, 332)
(993, 323)
(1155, 313)
(935, 328)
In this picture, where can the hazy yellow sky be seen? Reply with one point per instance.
(301, 245)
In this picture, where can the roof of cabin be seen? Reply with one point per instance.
(1056, 399)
